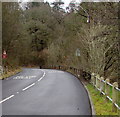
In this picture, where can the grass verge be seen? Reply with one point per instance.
(102, 107)
(10, 73)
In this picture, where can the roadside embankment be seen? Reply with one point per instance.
(9, 73)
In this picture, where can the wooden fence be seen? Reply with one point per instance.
(111, 91)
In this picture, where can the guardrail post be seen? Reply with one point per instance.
(107, 89)
(114, 96)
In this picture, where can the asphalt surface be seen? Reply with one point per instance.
(44, 92)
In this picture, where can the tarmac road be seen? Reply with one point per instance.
(44, 92)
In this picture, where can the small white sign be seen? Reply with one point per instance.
(77, 52)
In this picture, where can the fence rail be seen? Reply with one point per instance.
(111, 91)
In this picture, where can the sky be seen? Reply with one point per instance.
(66, 2)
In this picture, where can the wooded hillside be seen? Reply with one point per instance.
(44, 35)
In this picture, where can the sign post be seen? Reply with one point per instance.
(4, 56)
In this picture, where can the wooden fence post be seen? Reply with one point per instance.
(101, 84)
(74, 70)
(93, 79)
(97, 81)
(114, 96)
(118, 113)
(107, 88)
(79, 73)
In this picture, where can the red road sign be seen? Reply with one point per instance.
(4, 55)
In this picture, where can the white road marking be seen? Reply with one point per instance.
(55, 71)
(7, 99)
(23, 89)
(40, 79)
(42, 76)
(28, 87)
(24, 77)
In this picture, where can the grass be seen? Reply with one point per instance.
(101, 105)
(10, 73)
(110, 94)
(119, 98)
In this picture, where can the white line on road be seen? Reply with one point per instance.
(7, 99)
(42, 76)
(28, 87)
(40, 79)
(54, 71)
(22, 89)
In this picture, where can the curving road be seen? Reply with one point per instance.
(44, 92)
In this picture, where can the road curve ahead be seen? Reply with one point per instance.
(44, 92)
